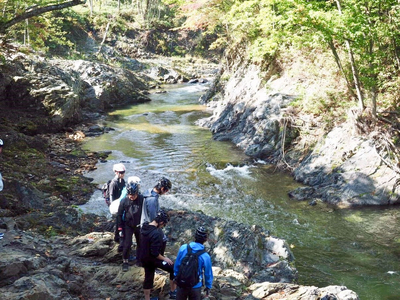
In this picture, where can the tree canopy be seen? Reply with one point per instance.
(15, 11)
(362, 36)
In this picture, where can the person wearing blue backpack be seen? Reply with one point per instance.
(191, 265)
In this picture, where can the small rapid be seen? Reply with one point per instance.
(356, 248)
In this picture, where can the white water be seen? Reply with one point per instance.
(356, 248)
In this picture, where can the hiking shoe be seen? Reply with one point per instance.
(172, 294)
(125, 267)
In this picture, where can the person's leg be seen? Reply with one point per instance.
(146, 294)
(149, 270)
(137, 238)
(180, 294)
(170, 269)
(195, 294)
(116, 234)
(127, 242)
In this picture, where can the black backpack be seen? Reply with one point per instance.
(105, 189)
(188, 273)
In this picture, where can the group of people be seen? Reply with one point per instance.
(139, 215)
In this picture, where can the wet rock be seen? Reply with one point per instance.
(344, 167)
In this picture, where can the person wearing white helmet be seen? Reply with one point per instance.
(1, 178)
(114, 206)
(131, 179)
(118, 182)
(115, 187)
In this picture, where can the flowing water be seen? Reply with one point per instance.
(356, 248)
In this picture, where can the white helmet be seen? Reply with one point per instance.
(1, 143)
(119, 168)
(134, 179)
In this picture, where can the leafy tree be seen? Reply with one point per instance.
(15, 11)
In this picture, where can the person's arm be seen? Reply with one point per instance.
(156, 245)
(178, 260)
(121, 209)
(113, 187)
(164, 258)
(208, 274)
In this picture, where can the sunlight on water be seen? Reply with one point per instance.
(357, 248)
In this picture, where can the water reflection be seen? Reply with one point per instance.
(356, 248)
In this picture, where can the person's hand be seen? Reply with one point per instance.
(170, 262)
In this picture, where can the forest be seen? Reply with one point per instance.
(361, 37)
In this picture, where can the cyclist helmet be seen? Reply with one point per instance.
(134, 179)
(164, 183)
(119, 168)
(132, 188)
(201, 235)
(162, 216)
(1, 143)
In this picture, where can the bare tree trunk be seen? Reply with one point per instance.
(26, 33)
(36, 11)
(355, 77)
(4, 8)
(91, 7)
(353, 67)
(104, 37)
(340, 66)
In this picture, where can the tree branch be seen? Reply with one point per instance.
(36, 11)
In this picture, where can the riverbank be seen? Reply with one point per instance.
(351, 163)
(48, 240)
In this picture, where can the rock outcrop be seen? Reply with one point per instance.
(248, 263)
(59, 92)
(343, 167)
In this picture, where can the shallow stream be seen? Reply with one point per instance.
(356, 248)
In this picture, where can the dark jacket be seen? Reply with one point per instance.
(129, 212)
(151, 242)
(116, 186)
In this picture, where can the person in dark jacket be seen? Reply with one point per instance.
(151, 257)
(115, 187)
(205, 267)
(128, 221)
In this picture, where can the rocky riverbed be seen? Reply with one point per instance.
(51, 250)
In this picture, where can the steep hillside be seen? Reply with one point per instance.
(289, 114)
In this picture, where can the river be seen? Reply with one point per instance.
(356, 248)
